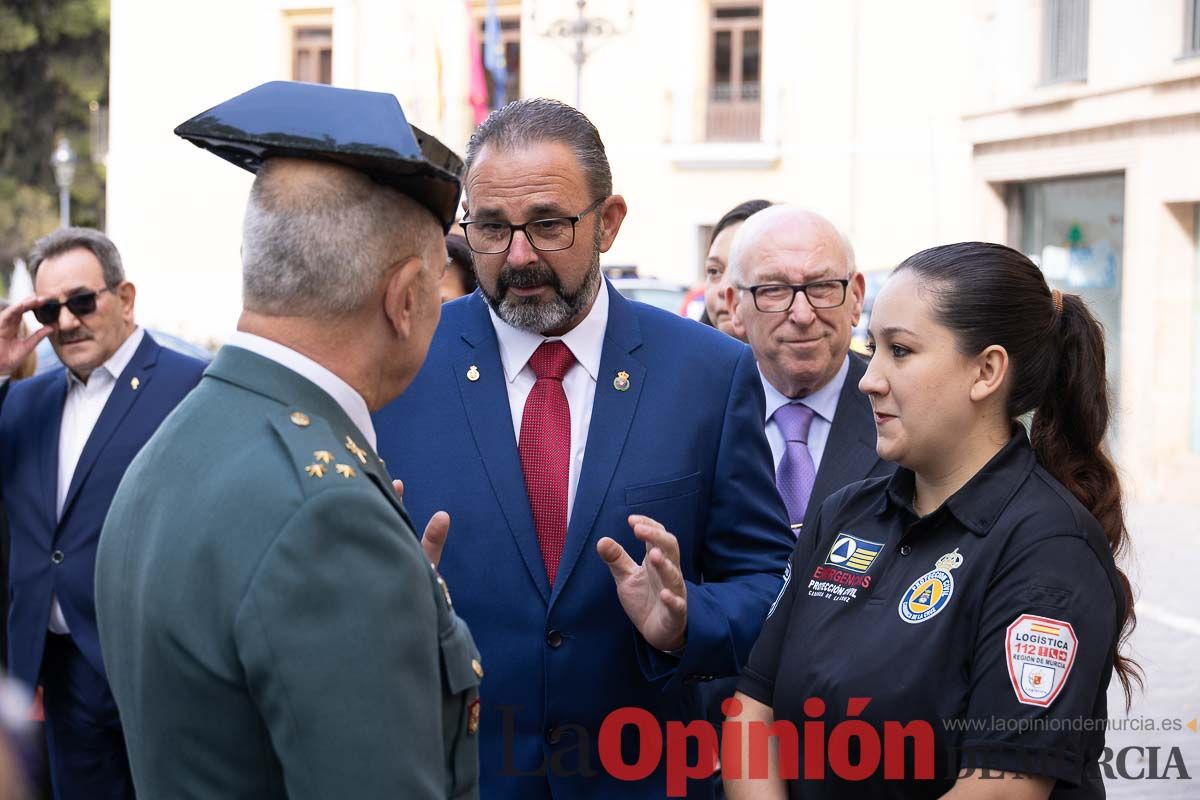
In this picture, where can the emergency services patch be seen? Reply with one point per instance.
(852, 553)
(1040, 653)
(926, 596)
(929, 594)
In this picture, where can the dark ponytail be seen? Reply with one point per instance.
(991, 294)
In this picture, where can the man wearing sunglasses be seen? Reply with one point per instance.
(66, 439)
(797, 290)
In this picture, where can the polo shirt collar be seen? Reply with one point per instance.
(979, 503)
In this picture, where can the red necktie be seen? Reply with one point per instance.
(545, 449)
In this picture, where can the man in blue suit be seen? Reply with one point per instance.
(618, 537)
(66, 438)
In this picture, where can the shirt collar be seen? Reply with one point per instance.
(585, 340)
(116, 363)
(342, 393)
(823, 401)
(981, 500)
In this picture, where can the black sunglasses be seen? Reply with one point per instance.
(80, 305)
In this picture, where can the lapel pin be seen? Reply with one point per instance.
(472, 373)
(621, 382)
(315, 470)
(324, 456)
(345, 470)
(134, 383)
(299, 419)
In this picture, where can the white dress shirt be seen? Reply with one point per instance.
(586, 343)
(345, 395)
(823, 402)
(81, 411)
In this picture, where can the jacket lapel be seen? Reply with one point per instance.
(612, 416)
(486, 403)
(123, 396)
(850, 449)
(47, 439)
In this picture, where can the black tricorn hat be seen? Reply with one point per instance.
(363, 130)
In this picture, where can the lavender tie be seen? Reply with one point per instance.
(796, 472)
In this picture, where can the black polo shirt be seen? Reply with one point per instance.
(994, 619)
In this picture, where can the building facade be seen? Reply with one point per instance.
(1067, 128)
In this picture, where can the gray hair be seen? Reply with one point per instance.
(537, 119)
(317, 246)
(64, 240)
(757, 226)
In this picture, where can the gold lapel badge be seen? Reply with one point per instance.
(134, 383)
(315, 470)
(621, 382)
(358, 452)
(478, 667)
(473, 718)
(324, 456)
(300, 419)
(345, 470)
(472, 373)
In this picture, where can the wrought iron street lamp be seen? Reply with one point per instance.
(63, 160)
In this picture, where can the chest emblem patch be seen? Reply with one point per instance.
(1039, 652)
(929, 594)
(852, 553)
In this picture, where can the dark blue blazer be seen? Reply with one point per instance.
(30, 418)
(684, 444)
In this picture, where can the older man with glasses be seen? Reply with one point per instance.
(797, 291)
(66, 439)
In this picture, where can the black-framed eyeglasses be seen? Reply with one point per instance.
(488, 237)
(777, 298)
(80, 305)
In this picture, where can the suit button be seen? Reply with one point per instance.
(57, 556)
(554, 639)
(553, 735)
(904, 549)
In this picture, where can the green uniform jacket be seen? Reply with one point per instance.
(269, 623)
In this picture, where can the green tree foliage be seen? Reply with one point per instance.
(53, 66)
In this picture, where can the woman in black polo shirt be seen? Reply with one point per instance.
(966, 613)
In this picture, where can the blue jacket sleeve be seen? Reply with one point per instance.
(746, 547)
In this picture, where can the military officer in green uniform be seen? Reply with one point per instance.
(270, 623)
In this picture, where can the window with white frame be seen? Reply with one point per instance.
(1191, 27)
(735, 72)
(1064, 40)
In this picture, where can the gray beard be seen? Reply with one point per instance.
(534, 314)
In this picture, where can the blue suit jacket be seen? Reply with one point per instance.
(30, 418)
(684, 444)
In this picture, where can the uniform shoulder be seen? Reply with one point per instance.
(1053, 510)
(318, 457)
